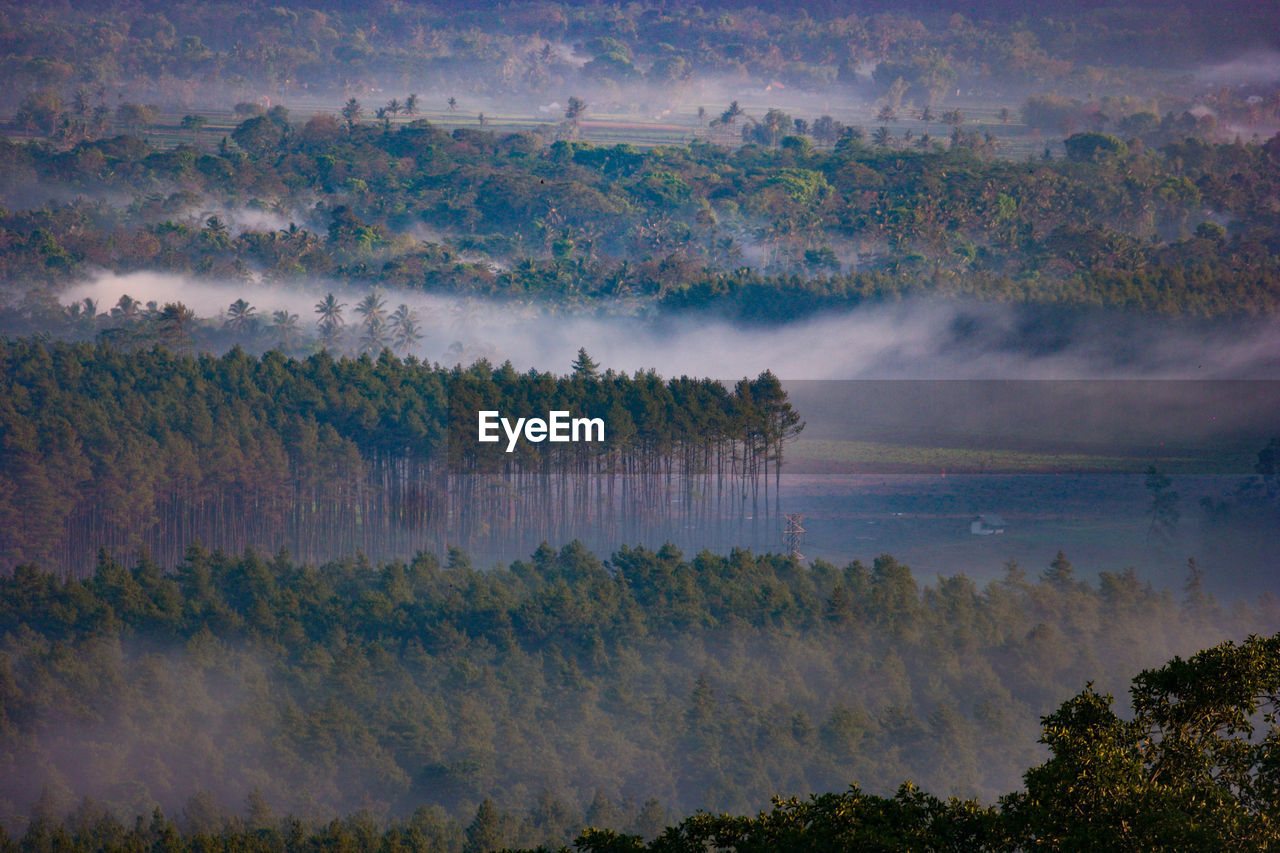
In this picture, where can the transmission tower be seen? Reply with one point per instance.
(793, 536)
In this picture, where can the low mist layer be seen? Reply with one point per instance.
(708, 682)
(912, 339)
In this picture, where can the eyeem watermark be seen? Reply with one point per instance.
(558, 426)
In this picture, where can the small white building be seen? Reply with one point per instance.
(986, 525)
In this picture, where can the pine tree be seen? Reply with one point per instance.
(584, 366)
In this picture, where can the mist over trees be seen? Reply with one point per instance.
(914, 50)
(248, 555)
(1158, 196)
(621, 693)
(757, 231)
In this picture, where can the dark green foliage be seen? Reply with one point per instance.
(1094, 146)
(564, 689)
(919, 50)
(911, 820)
(325, 457)
(575, 222)
(1186, 773)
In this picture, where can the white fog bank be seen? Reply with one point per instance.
(916, 339)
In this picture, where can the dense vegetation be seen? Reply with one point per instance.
(561, 690)
(572, 221)
(155, 661)
(1151, 208)
(150, 449)
(173, 53)
(1148, 206)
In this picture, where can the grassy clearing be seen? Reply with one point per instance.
(677, 126)
(872, 456)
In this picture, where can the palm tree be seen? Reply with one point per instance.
(453, 104)
(240, 316)
(330, 311)
(352, 111)
(285, 326)
(293, 234)
(215, 231)
(404, 328)
(394, 107)
(126, 308)
(411, 105)
(84, 314)
(775, 123)
(174, 320)
(465, 315)
(374, 336)
(372, 307)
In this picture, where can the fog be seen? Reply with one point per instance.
(912, 339)
(1213, 425)
(1258, 66)
(160, 721)
(220, 719)
(241, 219)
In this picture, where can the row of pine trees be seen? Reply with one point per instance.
(152, 450)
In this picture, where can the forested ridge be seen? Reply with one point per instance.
(1156, 193)
(171, 53)
(766, 232)
(561, 691)
(151, 449)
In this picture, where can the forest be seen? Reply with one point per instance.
(262, 264)
(155, 450)
(180, 53)
(757, 232)
(256, 698)
(1155, 192)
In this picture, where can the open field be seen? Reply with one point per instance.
(868, 457)
(1101, 522)
(676, 125)
(904, 467)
